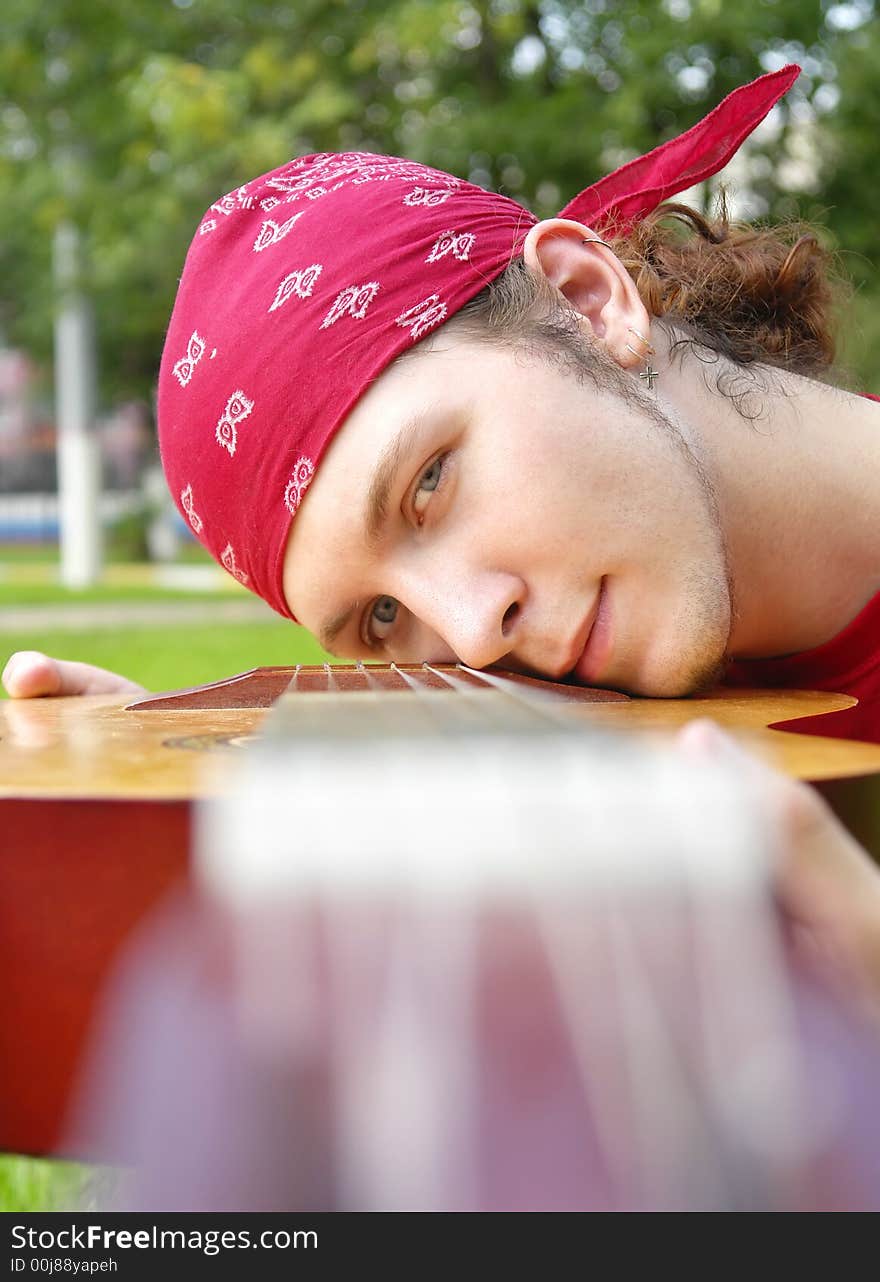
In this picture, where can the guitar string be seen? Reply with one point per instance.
(548, 704)
(457, 715)
(547, 707)
(765, 1021)
(364, 672)
(408, 679)
(486, 716)
(671, 1132)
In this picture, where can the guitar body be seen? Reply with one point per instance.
(96, 810)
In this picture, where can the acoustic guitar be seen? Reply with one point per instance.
(456, 944)
(96, 814)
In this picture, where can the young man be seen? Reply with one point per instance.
(430, 427)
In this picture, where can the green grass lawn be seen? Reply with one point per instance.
(175, 655)
(162, 657)
(24, 592)
(33, 1184)
(31, 580)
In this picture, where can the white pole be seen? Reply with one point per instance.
(79, 476)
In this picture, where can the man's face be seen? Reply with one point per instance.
(486, 507)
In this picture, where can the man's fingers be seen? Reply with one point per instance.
(826, 884)
(703, 739)
(30, 675)
(808, 826)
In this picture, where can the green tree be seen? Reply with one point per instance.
(130, 116)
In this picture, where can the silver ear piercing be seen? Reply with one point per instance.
(649, 374)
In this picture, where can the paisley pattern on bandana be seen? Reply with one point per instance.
(186, 502)
(184, 369)
(235, 200)
(301, 283)
(271, 232)
(352, 301)
(313, 278)
(423, 316)
(303, 472)
(227, 560)
(238, 407)
(459, 244)
(426, 196)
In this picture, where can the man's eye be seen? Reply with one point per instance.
(430, 478)
(427, 484)
(382, 617)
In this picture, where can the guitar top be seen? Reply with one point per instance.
(157, 748)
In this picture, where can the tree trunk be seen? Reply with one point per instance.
(79, 480)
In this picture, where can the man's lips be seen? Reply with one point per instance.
(586, 654)
(592, 660)
(579, 644)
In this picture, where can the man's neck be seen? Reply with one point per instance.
(798, 490)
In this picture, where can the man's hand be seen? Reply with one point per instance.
(826, 884)
(30, 675)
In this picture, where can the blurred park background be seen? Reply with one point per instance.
(121, 120)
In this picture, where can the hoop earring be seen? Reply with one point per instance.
(649, 374)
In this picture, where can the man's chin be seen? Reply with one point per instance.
(663, 685)
(680, 685)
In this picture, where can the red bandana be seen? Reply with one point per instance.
(301, 286)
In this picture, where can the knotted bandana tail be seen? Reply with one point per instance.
(615, 203)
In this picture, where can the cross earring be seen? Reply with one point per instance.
(649, 374)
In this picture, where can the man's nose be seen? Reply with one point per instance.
(476, 614)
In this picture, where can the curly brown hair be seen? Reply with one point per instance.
(757, 296)
(754, 294)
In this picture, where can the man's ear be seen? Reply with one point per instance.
(595, 282)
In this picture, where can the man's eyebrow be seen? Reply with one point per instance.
(329, 631)
(381, 485)
(384, 475)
